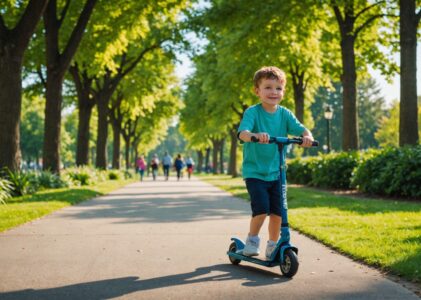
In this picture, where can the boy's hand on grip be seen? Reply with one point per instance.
(307, 141)
(263, 137)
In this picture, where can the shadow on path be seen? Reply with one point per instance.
(162, 207)
(110, 288)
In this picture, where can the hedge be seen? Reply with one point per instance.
(389, 172)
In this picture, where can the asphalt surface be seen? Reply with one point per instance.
(167, 240)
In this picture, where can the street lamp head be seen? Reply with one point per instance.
(328, 112)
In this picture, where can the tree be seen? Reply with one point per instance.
(13, 43)
(116, 115)
(408, 121)
(113, 25)
(58, 59)
(146, 98)
(152, 35)
(354, 18)
(85, 103)
(371, 109)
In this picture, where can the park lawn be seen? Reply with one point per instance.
(381, 233)
(23, 209)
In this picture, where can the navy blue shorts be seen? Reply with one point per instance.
(265, 196)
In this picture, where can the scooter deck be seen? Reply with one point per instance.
(266, 263)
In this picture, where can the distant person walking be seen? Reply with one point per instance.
(190, 165)
(179, 165)
(141, 166)
(154, 166)
(166, 165)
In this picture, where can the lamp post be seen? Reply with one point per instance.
(328, 116)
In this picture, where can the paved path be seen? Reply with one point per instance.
(167, 240)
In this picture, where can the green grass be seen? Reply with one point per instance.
(381, 233)
(23, 209)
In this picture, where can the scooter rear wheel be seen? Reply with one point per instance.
(289, 267)
(233, 248)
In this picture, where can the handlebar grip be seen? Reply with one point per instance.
(254, 139)
(288, 141)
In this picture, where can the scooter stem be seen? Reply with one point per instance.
(285, 235)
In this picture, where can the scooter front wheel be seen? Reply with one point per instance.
(233, 248)
(289, 267)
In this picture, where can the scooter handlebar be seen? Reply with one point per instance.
(285, 141)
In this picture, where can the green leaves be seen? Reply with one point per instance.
(5, 190)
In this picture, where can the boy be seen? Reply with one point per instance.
(261, 160)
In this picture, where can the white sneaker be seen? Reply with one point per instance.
(270, 247)
(252, 246)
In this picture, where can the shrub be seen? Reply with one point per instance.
(99, 175)
(300, 170)
(48, 180)
(5, 190)
(334, 170)
(81, 176)
(392, 172)
(128, 174)
(20, 183)
(113, 175)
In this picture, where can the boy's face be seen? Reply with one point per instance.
(270, 91)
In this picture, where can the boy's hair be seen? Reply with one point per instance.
(269, 73)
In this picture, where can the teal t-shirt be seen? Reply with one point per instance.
(261, 161)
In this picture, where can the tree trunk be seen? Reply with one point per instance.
(215, 159)
(207, 159)
(215, 149)
(127, 154)
(299, 87)
(52, 123)
(10, 109)
(13, 43)
(408, 110)
(86, 102)
(221, 156)
(232, 168)
(83, 133)
(101, 147)
(199, 161)
(116, 144)
(349, 78)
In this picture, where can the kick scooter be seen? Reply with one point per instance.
(285, 254)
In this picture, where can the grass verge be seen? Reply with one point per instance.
(381, 233)
(23, 209)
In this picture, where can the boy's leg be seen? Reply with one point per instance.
(256, 223)
(259, 200)
(251, 247)
(274, 227)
